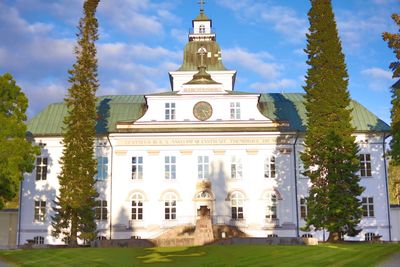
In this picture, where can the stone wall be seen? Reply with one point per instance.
(395, 222)
(267, 241)
(8, 228)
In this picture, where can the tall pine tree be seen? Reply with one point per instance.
(74, 214)
(330, 156)
(393, 40)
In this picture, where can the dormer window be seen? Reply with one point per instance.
(170, 111)
(202, 29)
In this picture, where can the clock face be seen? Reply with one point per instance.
(202, 111)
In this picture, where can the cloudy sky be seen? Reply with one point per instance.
(141, 40)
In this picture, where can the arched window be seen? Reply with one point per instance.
(170, 206)
(39, 240)
(369, 236)
(270, 206)
(137, 206)
(202, 29)
(237, 201)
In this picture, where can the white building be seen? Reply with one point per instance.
(163, 156)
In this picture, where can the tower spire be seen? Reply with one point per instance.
(202, 3)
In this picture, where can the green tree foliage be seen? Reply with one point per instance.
(74, 214)
(394, 183)
(17, 155)
(330, 156)
(393, 40)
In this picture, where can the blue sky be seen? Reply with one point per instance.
(141, 40)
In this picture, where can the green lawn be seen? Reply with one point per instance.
(236, 255)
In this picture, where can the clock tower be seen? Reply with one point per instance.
(202, 49)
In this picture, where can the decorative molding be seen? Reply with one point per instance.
(252, 151)
(153, 152)
(186, 152)
(121, 152)
(203, 141)
(219, 152)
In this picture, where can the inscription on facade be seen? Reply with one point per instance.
(202, 141)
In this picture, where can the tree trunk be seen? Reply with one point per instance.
(334, 237)
(73, 241)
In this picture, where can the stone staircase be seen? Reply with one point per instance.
(187, 235)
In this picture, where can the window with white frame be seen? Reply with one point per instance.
(270, 206)
(137, 207)
(170, 111)
(101, 237)
(39, 240)
(170, 206)
(235, 110)
(100, 210)
(365, 165)
(236, 168)
(41, 168)
(303, 208)
(170, 167)
(40, 211)
(102, 168)
(237, 202)
(369, 236)
(137, 168)
(269, 167)
(202, 29)
(368, 206)
(203, 166)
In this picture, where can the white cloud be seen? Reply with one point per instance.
(279, 85)
(299, 52)
(255, 62)
(180, 35)
(284, 19)
(40, 93)
(378, 79)
(39, 61)
(378, 73)
(129, 52)
(28, 49)
(144, 17)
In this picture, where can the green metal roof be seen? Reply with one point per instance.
(290, 107)
(111, 109)
(191, 58)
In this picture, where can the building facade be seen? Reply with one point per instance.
(162, 157)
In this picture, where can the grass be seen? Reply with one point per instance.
(237, 255)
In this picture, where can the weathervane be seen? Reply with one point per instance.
(202, 3)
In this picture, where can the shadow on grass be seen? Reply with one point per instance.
(164, 255)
